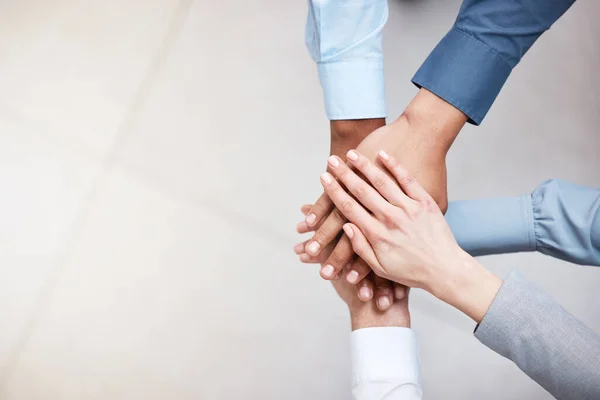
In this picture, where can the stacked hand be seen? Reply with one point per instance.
(402, 235)
(332, 249)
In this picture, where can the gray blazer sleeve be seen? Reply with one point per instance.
(554, 348)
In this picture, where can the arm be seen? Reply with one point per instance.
(345, 41)
(473, 61)
(560, 219)
(405, 238)
(385, 358)
(554, 348)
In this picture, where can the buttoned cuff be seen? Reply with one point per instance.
(353, 89)
(385, 354)
(465, 72)
(493, 226)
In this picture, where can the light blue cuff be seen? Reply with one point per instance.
(465, 72)
(493, 226)
(353, 89)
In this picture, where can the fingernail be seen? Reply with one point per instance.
(326, 178)
(364, 293)
(313, 248)
(383, 303)
(384, 155)
(352, 277)
(327, 271)
(311, 218)
(333, 161)
(399, 293)
(352, 155)
(348, 231)
(305, 258)
(299, 248)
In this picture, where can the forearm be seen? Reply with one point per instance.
(345, 40)
(472, 62)
(551, 346)
(467, 286)
(434, 120)
(558, 218)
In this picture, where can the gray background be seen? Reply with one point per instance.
(153, 156)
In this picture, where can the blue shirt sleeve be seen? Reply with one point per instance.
(473, 61)
(560, 219)
(344, 38)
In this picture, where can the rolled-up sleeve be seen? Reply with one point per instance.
(470, 65)
(344, 38)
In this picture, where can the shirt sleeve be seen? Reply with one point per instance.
(559, 218)
(472, 62)
(344, 38)
(385, 364)
(551, 346)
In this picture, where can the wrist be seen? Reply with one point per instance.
(467, 286)
(430, 115)
(367, 315)
(347, 134)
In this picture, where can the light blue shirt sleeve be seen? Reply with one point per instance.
(560, 219)
(470, 65)
(344, 38)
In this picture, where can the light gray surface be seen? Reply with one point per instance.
(153, 155)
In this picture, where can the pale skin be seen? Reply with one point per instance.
(366, 314)
(420, 138)
(401, 233)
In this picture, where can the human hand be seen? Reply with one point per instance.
(364, 312)
(383, 292)
(406, 238)
(420, 139)
(425, 160)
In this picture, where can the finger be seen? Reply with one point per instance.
(400, 291)
(339, 258)
(299, 248)
(358, 271)
(384, 293)
(349, 207)
(302, 227)
(365, 288)
(326, 233)
(380, 180)
(361, 190)
(318, 259)
(319, 210)
(361, 246)
(407, 182)
(305, 209)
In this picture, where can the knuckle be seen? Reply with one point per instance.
(347, 206)
(407, 180)
(360, 192)
(379, 183)
(322, 236)
(318, 209)
(337, 259)
(338, 217)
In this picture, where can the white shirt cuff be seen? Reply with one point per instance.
(385, 354)
(353, 89)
